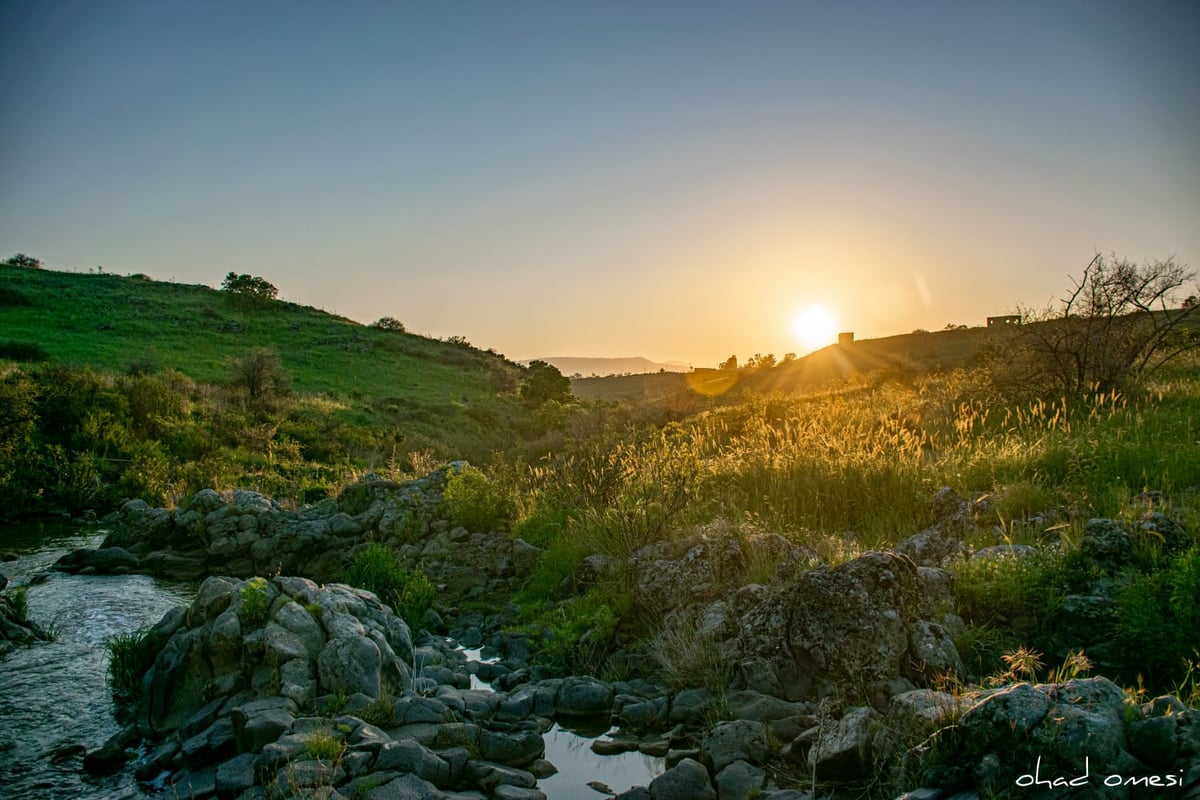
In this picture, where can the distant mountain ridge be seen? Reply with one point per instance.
(575, 365)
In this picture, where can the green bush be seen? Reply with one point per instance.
(13, 298)
(377, 569)
(23, 351)
(1157, 619)
(255, 604)
(473, 501)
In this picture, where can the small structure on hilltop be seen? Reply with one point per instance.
(1006, 319)
(846, 338)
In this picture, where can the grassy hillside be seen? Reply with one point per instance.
(114, 323)
(124, 386)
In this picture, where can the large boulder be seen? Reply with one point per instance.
(286, 638)
(871, 619)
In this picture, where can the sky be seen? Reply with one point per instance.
(659, 179)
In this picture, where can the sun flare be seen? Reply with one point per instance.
(814, 327)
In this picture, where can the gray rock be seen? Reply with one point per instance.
(687, 780)
(740, 780)
(844, 753)
(410, 756)
(261, 722)
(406, 787)
(236, 775)
(584, 697)
(692, 706)
(350, 664)
(505, 792)
(743, 739)
(516, 749)
(1106, 542)
(764, 708)
(488, 775)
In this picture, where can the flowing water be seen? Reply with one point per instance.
(55, 701)
(54, 696)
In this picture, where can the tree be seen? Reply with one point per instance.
(729, 363)
(261, 376)
(23, 261)
(389, 324)
(1119, 322)
(249, 290)
(544, 382)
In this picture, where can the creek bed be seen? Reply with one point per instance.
(54, 696)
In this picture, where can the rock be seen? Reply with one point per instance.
(405, 787)
(764, 708)
(691, 706)
(932, 547)
(516, 749)
(844, 753)
(584, 697)
(687, 780)
(236, 775)
(862, 621)
(409, 756)
(1106, 542)
(504, 792)
(739, 781)
(742, 739)
(111, 757)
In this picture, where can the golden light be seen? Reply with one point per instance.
(815, 327)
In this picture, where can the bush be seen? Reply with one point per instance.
(249, 290)
(389, 324)
(22, 261)
(260, 375)
(473, 501)
(23, 351)
(255, 605)
(13, 298)
(1157, 619)
(377, 569)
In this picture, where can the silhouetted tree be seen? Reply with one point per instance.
(249, 290)
(24, 262)
(729, 363)
(1119, 323)
(389, 324)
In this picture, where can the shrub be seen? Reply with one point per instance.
(260, 375)
(389, 324)
(380, 712)
(249, 290)
(23, 351)
(22, 261)
(377, 569)
(473, 501)
(1157, 617)
(324, 745)
(13, 298)
(130, 656)
(255, 603)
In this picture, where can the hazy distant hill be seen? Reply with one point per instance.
(915, 352)
(586, 367)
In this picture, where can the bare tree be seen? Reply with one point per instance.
(1119, 323)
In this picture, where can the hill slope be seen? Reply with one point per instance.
(117, 324)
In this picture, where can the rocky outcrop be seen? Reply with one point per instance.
(866, 621)
(244, 533)
(1081, 738)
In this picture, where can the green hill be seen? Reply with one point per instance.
(116, 386)
(117, 324)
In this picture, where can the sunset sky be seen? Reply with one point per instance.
(671, 180)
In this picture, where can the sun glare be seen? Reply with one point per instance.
(815, 327)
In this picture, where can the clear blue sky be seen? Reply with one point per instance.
(672, 180)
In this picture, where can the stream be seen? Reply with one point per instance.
(54, 695)
(55, 701)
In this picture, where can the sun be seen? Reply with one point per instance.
(814, 327)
